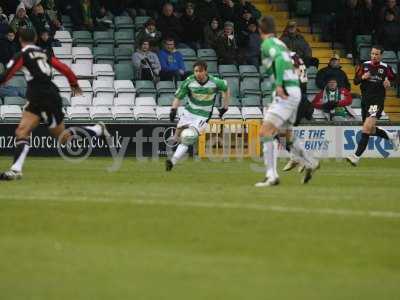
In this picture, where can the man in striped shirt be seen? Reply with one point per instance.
(201, 90)
(281, 114)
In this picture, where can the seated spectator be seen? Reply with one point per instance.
(388, 35)
(146, 63)
(253, 44)
(247, 5)
(207, 10)
(390, 5)
(242, 24)
(227, 47)
(171, 60)
(335, 102)
(169, 24)
(349, 26)
(41, 21)
(227, 10)
(192, 28)
(53, 9)
(12, 91)
(367, 15)
(21, 19)
(47, 42)
(150, 33)
(296, 42)
(9, 46)
(85, 15)
(3, 22)
(211, 32)
(332, 70)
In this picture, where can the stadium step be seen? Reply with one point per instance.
(392, 102)
(394, 117)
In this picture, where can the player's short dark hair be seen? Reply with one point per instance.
(267, 25)
(201, 64)
(27, 35)
(378, 47)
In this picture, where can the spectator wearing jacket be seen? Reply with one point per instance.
(192, 27)
(151, 34)
(367, 17)
(146, 63)
(211, 33)
(21, 19)
(332, 70)
(252, 44)
(227, 46)
(171, 60)
(41, 21)
(390, 5)
(247, 5)
(9, 46)
(388, 35)
(207, 10)
(335, 102)
(169, 25)
(297, 43)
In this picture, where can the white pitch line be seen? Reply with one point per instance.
(226, 205)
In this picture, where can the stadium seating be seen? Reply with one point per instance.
(10, 112)
(248, 71)
(123, 22)
(14, 101)
(122, 112)
(145, 112)
(100, 112)
(251, 113)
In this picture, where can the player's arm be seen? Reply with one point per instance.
(13, 66)
(360, 75)
(390, 77)
(182, 91)
(67, 72)
(223, 87)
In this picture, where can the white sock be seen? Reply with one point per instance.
(179, 153)
(18, 164)
(300, 155)
(270, 159)
(95, 128)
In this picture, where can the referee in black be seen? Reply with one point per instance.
(375, 77)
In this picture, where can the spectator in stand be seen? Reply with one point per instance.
(10, 6)
(171, 60)
(211, 33)
(85, 15)
(227, 46)
(335, 102)
(253, 44)
(146, 63)
(333, 70)
(29, 4)
(169, 24)
(207, 10)
(3, 22)
(8, 90)
(150, 33)
(242, 24)
(53, 9)
(227, 10)
(350, 26)
(296, 42)
(47, 42)
(41, 21)
(9, 46)
(367, 15)
(247, 5)
(326, 13)
(192, 28)
(390, 5)
(21, 19)
(388, 35)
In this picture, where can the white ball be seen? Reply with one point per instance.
(189, 136)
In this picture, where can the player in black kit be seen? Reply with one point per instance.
(375, 78)
(44, 101)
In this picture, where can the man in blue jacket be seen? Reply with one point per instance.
(171, 60)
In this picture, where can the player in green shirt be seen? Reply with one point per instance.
(281, 114)
(201, 90)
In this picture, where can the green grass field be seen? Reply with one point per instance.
(77, 231)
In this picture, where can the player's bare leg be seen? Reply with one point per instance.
(267, 133)
(28, 123)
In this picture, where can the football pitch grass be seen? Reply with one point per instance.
(77, 231)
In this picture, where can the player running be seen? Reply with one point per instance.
(375, 78)
(281, 115)
(201, 89)
(44, 101)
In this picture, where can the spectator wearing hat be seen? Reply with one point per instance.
(388, 35)
(9, 46)
(192, 27)
(211, 33)
(227, 46)
(252, 44)
(296, 42)
(333, 70)
(21, 19)
(169, 25)
(335, 102)
(171, 60)
(150, 33)
(146, 63)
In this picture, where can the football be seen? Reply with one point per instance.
(189, 136)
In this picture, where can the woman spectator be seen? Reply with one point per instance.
(211, 33)
(21, 19)
(146, 63)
